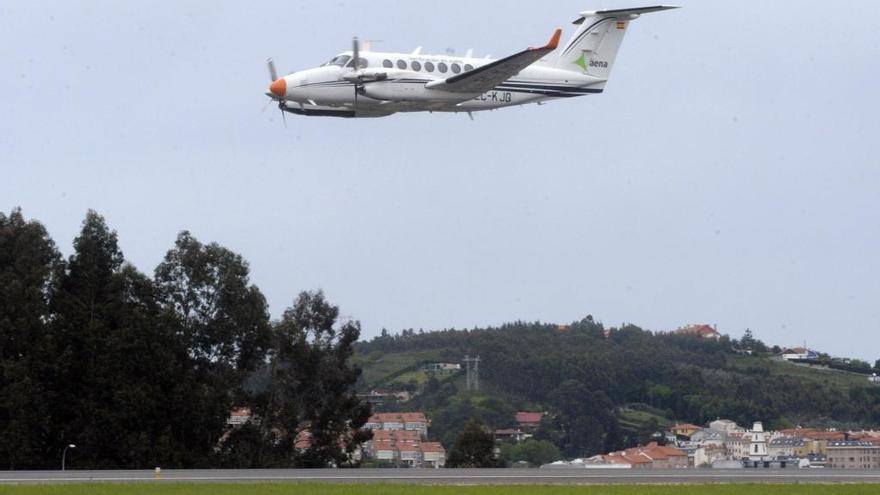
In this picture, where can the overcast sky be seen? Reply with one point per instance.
(730, 174)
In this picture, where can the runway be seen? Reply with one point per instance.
(449, 476)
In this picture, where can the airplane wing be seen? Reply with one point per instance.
(486, 77)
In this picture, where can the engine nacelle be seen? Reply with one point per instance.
(401, 90)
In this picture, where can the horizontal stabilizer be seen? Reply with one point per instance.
(634, 12)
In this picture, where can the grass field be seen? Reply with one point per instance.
(377, 367)
(841, 379)
(400, 489)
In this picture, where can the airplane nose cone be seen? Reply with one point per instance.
(278, 87)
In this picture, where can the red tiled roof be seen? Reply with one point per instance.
(414, 417)
(814, 434)
(653, 451)
(432, 447)
(407, 417)
(795, 350)
(303, 440)
(685, 426)
(628, 458)
(696, 330)
(528, 417)
(395, 436)
(383, 445)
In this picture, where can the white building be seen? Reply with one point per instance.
(799, 353)
(725, 425)
(758, 447)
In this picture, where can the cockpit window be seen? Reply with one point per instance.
(340, 61)
(362, 63)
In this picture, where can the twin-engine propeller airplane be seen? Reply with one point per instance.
(363, 83)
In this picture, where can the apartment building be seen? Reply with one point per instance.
(853, 454)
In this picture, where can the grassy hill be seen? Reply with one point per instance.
(608, 387)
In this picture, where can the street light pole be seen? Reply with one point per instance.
(64, 455)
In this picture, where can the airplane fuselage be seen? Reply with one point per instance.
(325, 91)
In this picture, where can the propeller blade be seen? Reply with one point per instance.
(356, 50)
(272, 72)
(283, 117)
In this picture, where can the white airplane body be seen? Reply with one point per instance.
(381, 84)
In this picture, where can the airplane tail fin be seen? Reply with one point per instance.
(593, 47)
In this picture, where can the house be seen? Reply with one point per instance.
(707, 437)
(725, 425)
(652, 456)
(635, 461)
(703, 331)
(433, 455)
(817, 439)
(853, 454)
(379, 397)
(409, 455)
(737, 445)
(706, 456)
(516, 435)
(409, 421)
(239, 416)
(415, 421)
(799, 353)
(684, 429)
(383, 451)
(528, 420)
(789, 447)
(874, 378)
(403, 444)
(606, 461)
(442, 367)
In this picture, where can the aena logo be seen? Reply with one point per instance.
(583, 63)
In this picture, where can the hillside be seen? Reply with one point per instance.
(607, 388)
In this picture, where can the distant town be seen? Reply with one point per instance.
(400, 440)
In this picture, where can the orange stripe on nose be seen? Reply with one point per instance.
(278, 87)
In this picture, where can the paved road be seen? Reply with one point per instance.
(453, 476)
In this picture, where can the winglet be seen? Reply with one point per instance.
(554, 42)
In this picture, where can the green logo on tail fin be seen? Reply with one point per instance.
(581, 62)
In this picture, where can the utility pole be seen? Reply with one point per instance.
(472, 370)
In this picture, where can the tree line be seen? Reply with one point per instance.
(140, 371)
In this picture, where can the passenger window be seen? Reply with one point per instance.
(387, 64)
(416, 66)
(468, 67)
(442, 67)
(362, 63)
(456, 68)
(429, 67)
(401, 64)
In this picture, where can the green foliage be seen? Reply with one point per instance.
(29, 269)
(534, 452)
(140, 372)
(310, 389)
(474, 448)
